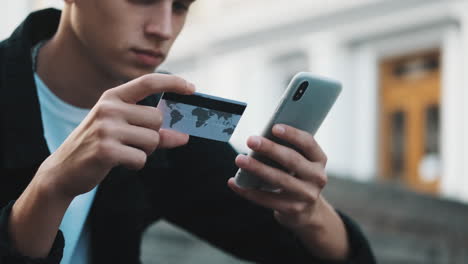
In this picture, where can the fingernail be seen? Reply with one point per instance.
(255, 142)
(191, 86)
(243, 159)
(279, 129)
(236, 187)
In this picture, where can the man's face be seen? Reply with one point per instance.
(127, 38)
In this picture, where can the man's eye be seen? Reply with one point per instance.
(180, 7)
(143, 2)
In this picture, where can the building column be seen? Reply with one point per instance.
(363, 71)
(454, 138)
(463, 115)
(348, 133)
(451, 115)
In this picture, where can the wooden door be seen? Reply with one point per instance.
(409, 116)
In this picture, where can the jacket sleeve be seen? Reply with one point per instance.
(195, 197)
(360, 250)
(9, 255)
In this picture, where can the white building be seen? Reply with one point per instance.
(401, 115)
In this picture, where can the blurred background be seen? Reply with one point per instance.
(397, 138)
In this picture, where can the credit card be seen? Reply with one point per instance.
(201, 115)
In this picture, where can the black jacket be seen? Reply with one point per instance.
(186, 186)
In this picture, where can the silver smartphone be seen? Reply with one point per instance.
(304, 105)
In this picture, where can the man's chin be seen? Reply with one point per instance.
(137, 72)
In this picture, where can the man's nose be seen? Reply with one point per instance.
(160, 23)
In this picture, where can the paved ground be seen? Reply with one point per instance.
(166, 244)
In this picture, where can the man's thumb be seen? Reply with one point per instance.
(172, 138)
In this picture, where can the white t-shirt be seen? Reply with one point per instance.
(59, 119)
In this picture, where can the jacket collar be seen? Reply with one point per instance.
(23, 144)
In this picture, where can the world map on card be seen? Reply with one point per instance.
(198, 121)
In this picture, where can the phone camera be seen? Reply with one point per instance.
(300, 91)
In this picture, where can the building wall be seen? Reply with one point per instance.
(240, 54)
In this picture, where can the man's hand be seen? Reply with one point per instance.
(115, 132)
(298, 204)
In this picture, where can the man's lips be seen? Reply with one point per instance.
(149, 57)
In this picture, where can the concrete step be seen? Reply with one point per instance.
(402, 226)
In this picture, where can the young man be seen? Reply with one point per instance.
(82, 152)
